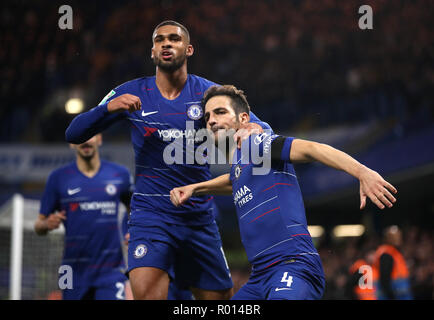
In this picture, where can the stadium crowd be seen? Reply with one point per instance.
(296, 60)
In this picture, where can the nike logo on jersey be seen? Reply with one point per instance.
(73, 191)
(278, 289)
(144, 114)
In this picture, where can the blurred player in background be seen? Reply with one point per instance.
(165, 240)
(85, 196)
(270, 209)
(393, 281)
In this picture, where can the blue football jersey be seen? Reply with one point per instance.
(163, 135)
(92, 230)
(269, 206)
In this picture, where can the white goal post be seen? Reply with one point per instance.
(28, 262)
(16, 247)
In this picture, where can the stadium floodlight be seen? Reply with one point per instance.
(74, 105)
(315, 231)
(348, 230)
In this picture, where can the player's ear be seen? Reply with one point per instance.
(190, 50)
(244, 117)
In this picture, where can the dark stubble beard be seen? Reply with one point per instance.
(170, 66)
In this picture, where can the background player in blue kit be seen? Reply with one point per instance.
(85, 196)
(269, 206)
(164, 240)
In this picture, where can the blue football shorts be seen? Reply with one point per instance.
(193, 253)
(282, 282)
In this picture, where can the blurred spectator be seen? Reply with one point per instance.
(393, 279)
(360, 285)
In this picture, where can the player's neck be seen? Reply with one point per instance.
(89, 167)
(171, 84)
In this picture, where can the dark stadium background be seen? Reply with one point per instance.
(307, 69)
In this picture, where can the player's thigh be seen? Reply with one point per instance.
(149, 283)
(201, 262)
(128, 291)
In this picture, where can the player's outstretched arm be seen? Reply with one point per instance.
(87, 124)
(218, 186)
(372, 185)
(47, 223)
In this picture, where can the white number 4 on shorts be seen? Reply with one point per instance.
(287, 279)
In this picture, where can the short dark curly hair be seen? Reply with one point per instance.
(238, 98)
(172, 23)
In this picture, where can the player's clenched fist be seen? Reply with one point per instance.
(125, 102)
(180, 195)
(54, 220)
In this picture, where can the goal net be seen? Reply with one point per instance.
(28, 263)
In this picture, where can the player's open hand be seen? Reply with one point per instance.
(245, 131)
(54, 220)
(380, 191)
(180, 195)
(125, 102)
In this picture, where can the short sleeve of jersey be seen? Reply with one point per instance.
(50, 199)
(116, 92)
(281, 148)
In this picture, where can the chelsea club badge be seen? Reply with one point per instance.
(194, 112)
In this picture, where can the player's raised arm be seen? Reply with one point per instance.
(218, 186)
(87, 124)
(372, 185)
